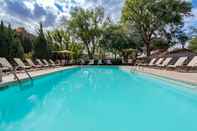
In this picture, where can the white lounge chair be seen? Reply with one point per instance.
(100, 62)
(82, 62)
(58, 62)
(47, 63)
(191, 65)
(193, 62)
(165, 62)
(179, 62)
(31, 63)
(8, 67)
(91, 62)
(130, 61)
(52, 62)
(71, 62)
(108, 62)
(5, 64)
(40, 63)
(64, 62)
(151, 63)
(159, 61)
(20, 63)
(124, 62)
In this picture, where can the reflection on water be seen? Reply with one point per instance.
(19, 100)
(26, 85)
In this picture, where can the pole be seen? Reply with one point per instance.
(1, 75)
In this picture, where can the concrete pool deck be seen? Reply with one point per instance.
(8, 79)
(173, 75)
(190, 78)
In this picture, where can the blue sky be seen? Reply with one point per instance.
(29, 13)
(194, 3)
(192, 21)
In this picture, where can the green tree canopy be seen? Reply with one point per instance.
(160, 43)
(59, 39)
(152, 17)
(76, 48)
(10, 45)
(86, 26)
(16, 49)
(116, 39)
(4, 46)
(40, 49)
(193, 44)
(26, 42)
(182, 38)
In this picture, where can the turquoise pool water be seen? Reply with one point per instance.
(97, 99)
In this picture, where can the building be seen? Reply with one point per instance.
(24, 33)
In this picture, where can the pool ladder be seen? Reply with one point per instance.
(17, 78)
(133, 69)
(136, 68)
(26, 85)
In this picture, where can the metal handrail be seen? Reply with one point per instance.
(13, 72)
(24, 70)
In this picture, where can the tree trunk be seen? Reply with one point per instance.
(89, 51)
(115, 55)
(183, 46)
(147, 49)
(90, 56)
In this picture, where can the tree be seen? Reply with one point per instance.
(182, 38)
(150, 17)
(59, 39)
(16, 49)
(193, 44)
(160, 43)
(10, 45)
(194, 31)
(116, 39)
(76, 49)
(86, 26)
(26, 42)
(4, 47)
(40, 49)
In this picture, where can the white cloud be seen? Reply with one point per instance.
(191, 22)
(29, 13)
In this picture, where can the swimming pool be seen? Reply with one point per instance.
(97, 99)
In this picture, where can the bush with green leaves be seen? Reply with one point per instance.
(193, 44)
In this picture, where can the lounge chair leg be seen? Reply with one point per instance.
(28, 74)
